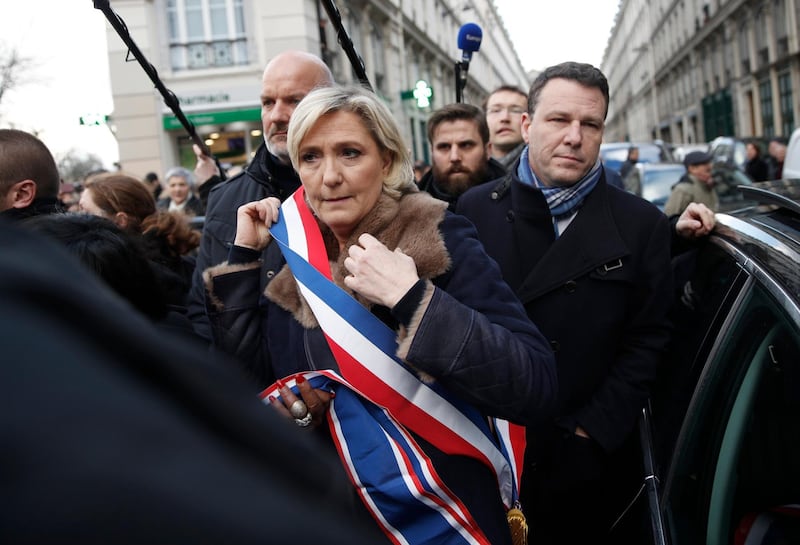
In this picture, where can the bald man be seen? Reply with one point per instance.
(29, 178)
(287, 79)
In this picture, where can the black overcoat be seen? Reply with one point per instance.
(600, 293)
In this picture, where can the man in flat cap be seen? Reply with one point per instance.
(697, 185)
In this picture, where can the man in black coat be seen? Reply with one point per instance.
(286, 80)
(591, 264)
(115, 432)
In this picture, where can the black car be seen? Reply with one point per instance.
(722, 444)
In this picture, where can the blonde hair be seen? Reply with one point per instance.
(376, 118)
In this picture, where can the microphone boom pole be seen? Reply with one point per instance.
(169, 97)
(347, 44)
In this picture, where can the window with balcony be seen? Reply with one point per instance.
(780, 20)
(762, 37)
(787, 109)
(765, 98)
(744, 47)
(206, 34)
(380, 58)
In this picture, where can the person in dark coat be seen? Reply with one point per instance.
(286, 80)
(165, 235)
(630, 162)
(591, 265)
(115, 432)
(755, 166)
(405, 264)
(459, 138)
(180, 188)
(120, 259)
(29, 178)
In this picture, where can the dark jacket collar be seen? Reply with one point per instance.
(40, 206)
(494, 170)
(591, 242)
(268, 171)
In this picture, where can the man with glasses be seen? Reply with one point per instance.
(504, 108)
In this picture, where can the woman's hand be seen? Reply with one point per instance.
(253, 221)
(377, 273)
(316, 402)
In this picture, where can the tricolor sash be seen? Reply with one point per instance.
(379, 399)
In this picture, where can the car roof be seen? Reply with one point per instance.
(661, 166)
(768, 231)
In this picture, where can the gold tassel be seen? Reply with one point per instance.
(518, 525)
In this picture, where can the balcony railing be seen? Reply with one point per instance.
(214, 54)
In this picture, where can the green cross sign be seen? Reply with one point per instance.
(422, 93)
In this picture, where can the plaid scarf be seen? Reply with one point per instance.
(562, 201)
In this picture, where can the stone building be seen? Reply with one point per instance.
(211, 53)
(692, 70)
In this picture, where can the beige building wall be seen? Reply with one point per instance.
(670, 62)
(401, 42)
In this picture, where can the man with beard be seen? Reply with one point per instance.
(288, 78)
(459, 138)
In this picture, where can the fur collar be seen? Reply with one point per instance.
(410, 223)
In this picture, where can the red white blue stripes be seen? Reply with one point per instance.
(386, 399)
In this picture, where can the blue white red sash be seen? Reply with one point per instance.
(385, 398)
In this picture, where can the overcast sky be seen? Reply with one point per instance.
(547, 32)
(67, 39)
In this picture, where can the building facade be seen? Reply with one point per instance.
(211, 54)
(687, 71)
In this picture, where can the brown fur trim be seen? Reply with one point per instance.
(284, 292)
(218, 270)
(411, 224)
(406, 335)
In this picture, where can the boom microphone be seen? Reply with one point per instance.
(469, 40)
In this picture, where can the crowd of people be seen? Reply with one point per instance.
(453, 353)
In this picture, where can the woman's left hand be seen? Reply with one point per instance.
(377, 273)
(316, 402)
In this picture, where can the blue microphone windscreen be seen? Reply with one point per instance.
(469, 37)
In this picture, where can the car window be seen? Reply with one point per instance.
(657, 184)
(740, 154)
(739, 444)
(757, 466)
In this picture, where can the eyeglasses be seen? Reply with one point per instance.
(513, 110)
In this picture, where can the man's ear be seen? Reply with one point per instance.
(22, 194)
(526, 124)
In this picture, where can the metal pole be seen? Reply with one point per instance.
(347, 44)
(169, 97)
(650, 478)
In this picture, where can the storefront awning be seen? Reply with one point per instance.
(171, 122)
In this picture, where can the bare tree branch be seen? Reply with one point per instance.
(15, 70)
